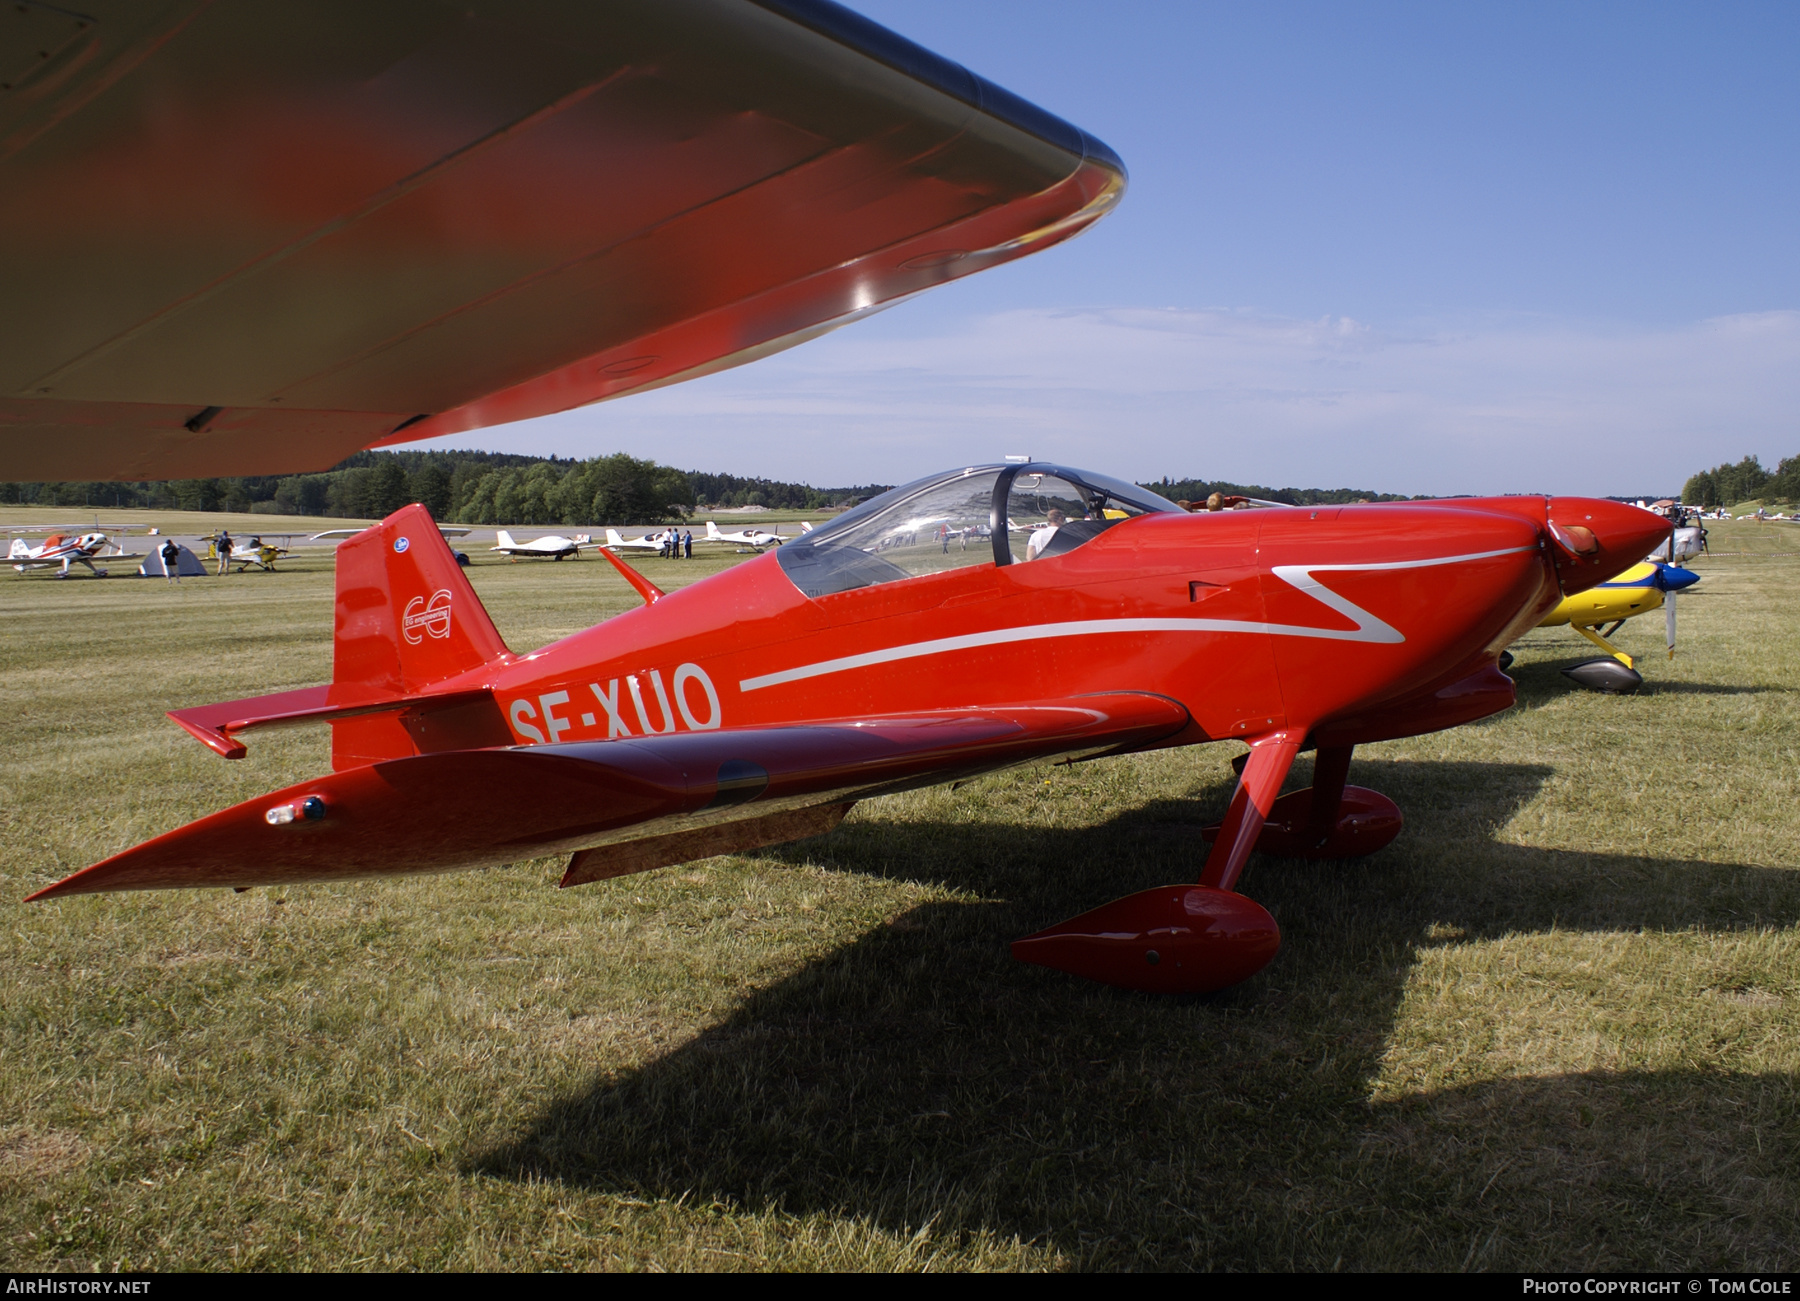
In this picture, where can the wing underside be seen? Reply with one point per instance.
(250, 239)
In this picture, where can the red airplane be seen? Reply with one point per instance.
(964, 623)
(251, 239)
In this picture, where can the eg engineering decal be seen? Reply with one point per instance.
(422, 617)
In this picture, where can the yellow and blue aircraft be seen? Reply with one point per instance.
(1639, 590)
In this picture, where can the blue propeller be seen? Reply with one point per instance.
(1669, 580)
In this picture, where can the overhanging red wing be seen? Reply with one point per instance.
(249, 239)
(475, 808)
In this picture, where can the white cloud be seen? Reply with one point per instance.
(1489, 407)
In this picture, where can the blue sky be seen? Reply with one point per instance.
(1420, 248)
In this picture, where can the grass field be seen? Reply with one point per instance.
(1552, 1026)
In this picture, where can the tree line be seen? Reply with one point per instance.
(1727, 485)
(1201, 489)
(460, 487)
(507, 488)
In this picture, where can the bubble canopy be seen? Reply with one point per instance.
(982, 514)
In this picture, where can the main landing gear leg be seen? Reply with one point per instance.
(1331, 765)
(1266, 768)
(1183, 939)
(1327, 820)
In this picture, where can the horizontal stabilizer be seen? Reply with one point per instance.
(478, 808)
(217, 726)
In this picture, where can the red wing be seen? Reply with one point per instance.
(251, 239)
(477, 808)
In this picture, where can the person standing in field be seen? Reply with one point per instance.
(171, 558)
(687, 545)
(224, 545)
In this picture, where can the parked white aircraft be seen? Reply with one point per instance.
(552, 546)
(649, 542)
(757, 538)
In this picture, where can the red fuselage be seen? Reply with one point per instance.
(1355, 623)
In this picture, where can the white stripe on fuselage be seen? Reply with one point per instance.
(1368, 627)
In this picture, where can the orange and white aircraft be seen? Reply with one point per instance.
(60, 550)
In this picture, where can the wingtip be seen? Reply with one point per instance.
(67, 886)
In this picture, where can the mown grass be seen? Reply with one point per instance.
(1551, 1026)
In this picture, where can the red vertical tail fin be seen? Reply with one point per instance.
(407, 618)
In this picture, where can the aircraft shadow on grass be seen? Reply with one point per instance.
(920, 1076)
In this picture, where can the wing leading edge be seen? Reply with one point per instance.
(251, 239)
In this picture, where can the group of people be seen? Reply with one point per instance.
(222, 541)
(677, 545)
(170, 551)
(945, 533)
